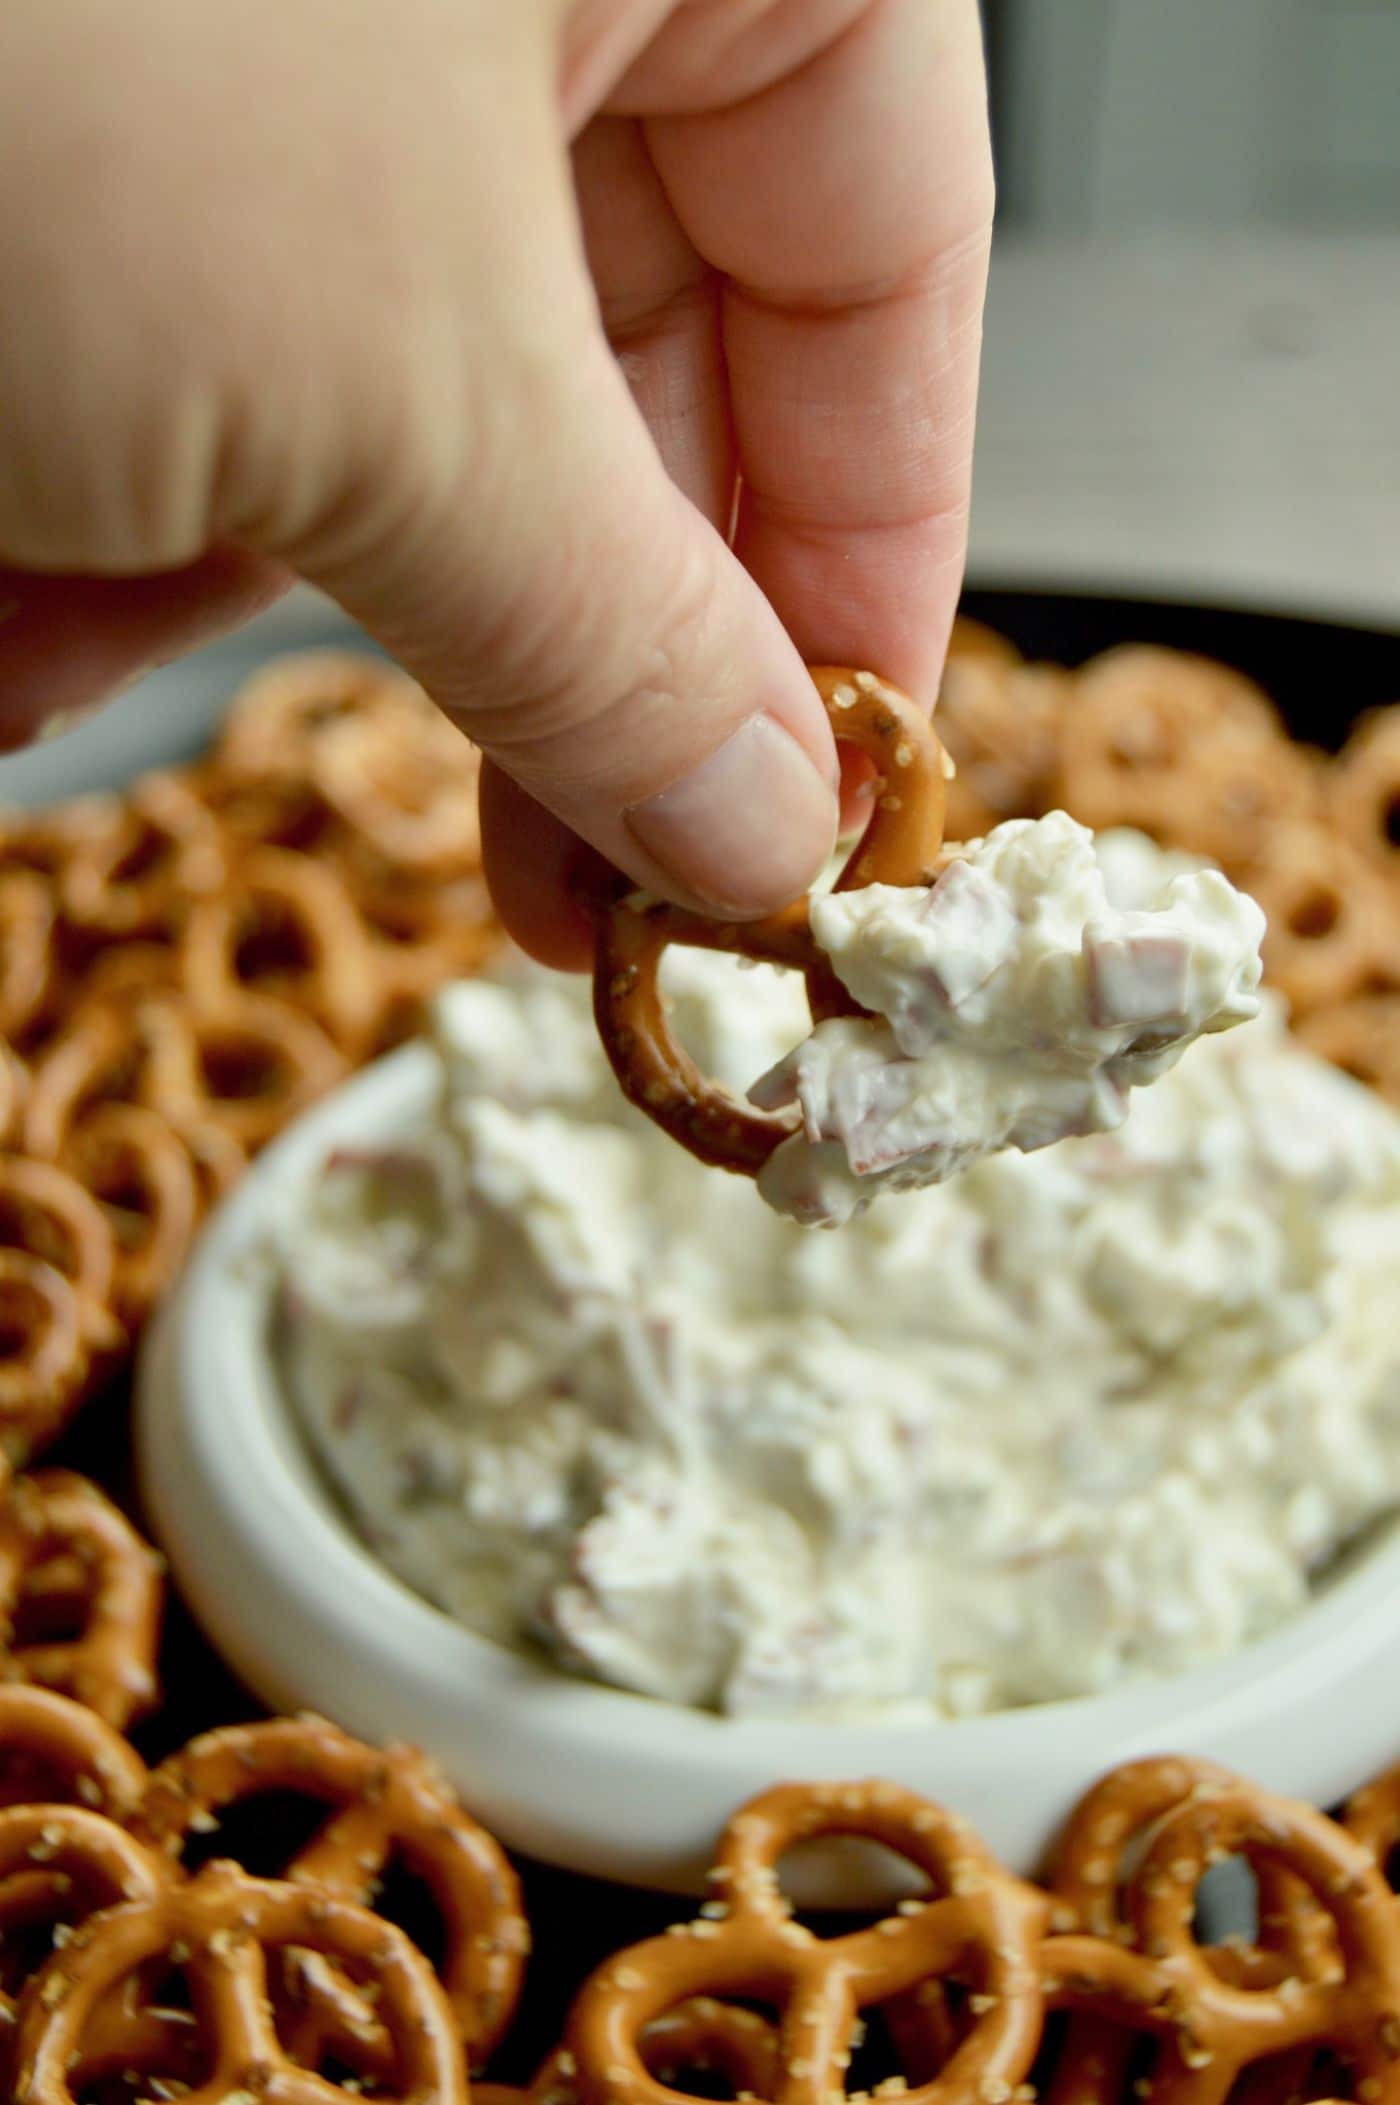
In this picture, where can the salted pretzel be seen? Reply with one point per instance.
(278, 718)
(420, 936)
(1333, 930)
(98, 1057)
(80, 1596)
(900, 846)
(285, 925)
(60, 1864)
(46, 1213)
(221, 1931)
(1365, 799)
(1208, 2029)
(138, 859)
(385, 1805)
(14, 1096)
(404, 781)
(55, 1751)
(701, 2038)
(28, 950)
(1088, 1878)
(145, 1179)
(46, 1360)
(246, 1064)
(979, 1926)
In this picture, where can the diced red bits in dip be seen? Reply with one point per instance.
(974, 928)
(1137, 979)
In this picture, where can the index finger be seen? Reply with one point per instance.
(849, 208)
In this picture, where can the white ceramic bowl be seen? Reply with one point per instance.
(586, 1777)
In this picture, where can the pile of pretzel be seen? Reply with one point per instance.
(185, 967)
(1195, 755)
(141, 1961)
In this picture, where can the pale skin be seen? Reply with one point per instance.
(476, 314)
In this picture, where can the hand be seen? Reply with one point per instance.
(315, 287)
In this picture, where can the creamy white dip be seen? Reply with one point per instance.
(1069, 1419)
(1014, 1003)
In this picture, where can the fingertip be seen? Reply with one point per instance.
(531, 861)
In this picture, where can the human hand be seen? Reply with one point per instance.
(319, 288)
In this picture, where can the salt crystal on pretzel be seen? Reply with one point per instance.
(221, 1931)
(381, 1805)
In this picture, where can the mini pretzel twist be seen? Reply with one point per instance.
(698, 2038)
(286, 926)
(60, 1864)
(47, 1214)
(405, 781)
(138, 859)
(1088, 1879)
(46, 1360)
(71, 1563)
(28, 953)
(901, 846)
(146, 1180)
(980, 1926)
(1209, 2029)
(221, 1931)
(385, 1804)
(279, 718)
(53, 1750)
(245, 1065)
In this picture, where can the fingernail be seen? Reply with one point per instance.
(749, 828)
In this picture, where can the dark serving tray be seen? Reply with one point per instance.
(1321, 676)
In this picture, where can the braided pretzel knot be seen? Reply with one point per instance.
(900, 846)
(1209, 2030)
(980, 1926)
(1093, 1858)
(385, 1804)
(68, 1557)
(219, 1931)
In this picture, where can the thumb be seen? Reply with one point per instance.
(586, 626)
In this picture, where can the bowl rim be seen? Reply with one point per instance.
(261, 1550)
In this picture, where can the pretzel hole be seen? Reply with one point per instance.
(404, 1897)
(272, 946)
(240, 1069)
(148, 856)
(1315, 916)
(1227, 1902)
(54, 1605)
(719, 2061)
(262, 1831)
(817, 1878)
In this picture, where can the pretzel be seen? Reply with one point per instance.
(246, 1064)
(1000, 721)
(901, 846)
(144, 1177)
(980, 1926)
(1091, 1866)
(389, 1804)
(14, 1095)
(421, 936)
(1365, 788)
(60, 1864)
(80, 1596)
(28, 960)
(286, 926)
(260, 812)
(97, 1057)
(137, 859)
(973, 642)
(1142, 735)
(219, 1931)
(1333, 930)
(46, 1359)
(279, 718)
(698, 2038)
(1361, 1036)
(1208, 2029)
(55, 1751)
(404, 780)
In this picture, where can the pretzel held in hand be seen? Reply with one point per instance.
(900, 846)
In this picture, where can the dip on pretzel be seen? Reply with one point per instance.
(964, 1000)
